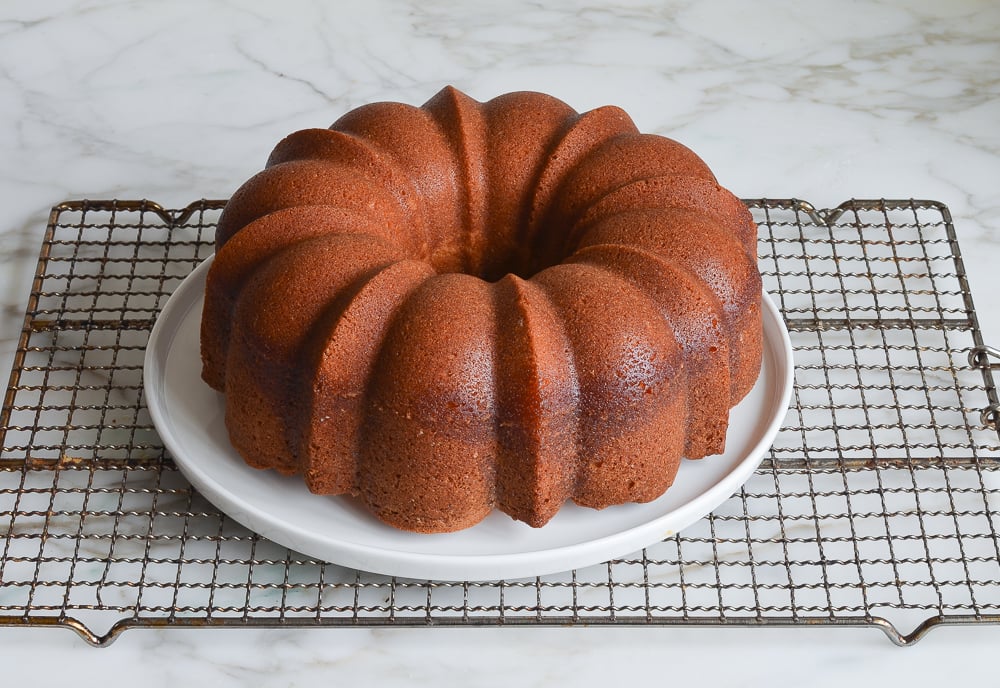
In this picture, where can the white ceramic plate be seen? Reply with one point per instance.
(189, 417)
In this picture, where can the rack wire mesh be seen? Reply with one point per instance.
(878, 505)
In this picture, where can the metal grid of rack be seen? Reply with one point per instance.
(878, 505)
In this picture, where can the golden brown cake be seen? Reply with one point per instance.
(465, 306)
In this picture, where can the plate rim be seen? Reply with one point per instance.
(446, 566)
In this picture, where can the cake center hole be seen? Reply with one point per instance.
(501, 252)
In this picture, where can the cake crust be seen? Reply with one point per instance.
(460, 307)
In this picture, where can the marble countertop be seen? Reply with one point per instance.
(822, 101)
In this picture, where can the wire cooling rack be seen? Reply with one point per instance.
(878, 505)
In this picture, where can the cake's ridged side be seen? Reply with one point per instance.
(343, 353)
(633, 402)
(250, 249)
(695, 315)
(306, 182)
(538, 401)
(580, 136)
(615, 163)
(264, 359)
(462, 120)
(412, 139)
(522, 128)
(677, 191)
(716, 257)
(366, 160)
(428, 463)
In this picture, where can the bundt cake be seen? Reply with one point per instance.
(465, 306)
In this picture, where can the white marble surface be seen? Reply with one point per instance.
(820, 100)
